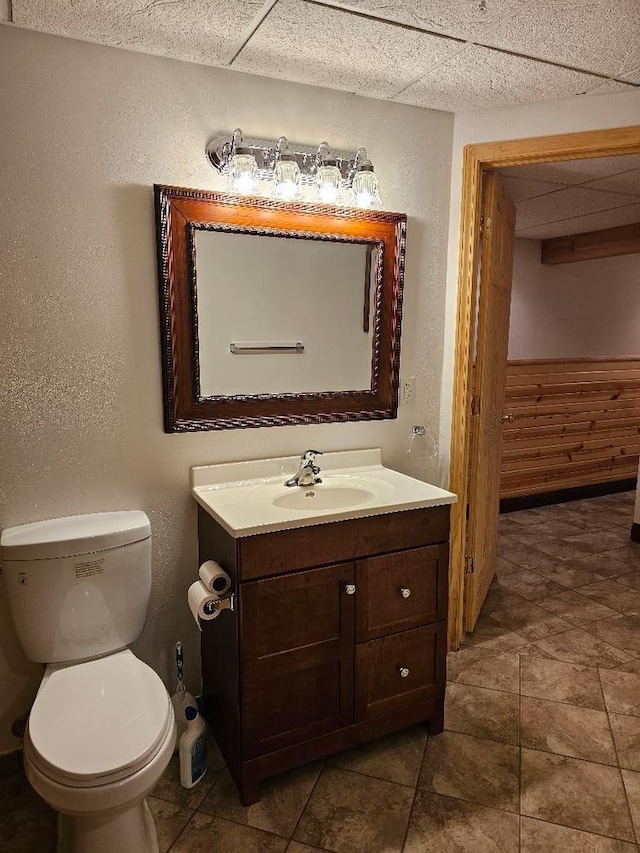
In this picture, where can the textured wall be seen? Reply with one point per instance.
(588, 308)
(84, 133)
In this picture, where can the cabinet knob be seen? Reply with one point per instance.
(350, 588)
(405, 592)
(404, 671)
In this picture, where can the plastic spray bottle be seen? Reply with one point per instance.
(193, 749)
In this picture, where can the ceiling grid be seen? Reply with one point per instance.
(574, 196)
(440, 54)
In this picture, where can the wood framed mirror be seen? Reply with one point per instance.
(276, 313)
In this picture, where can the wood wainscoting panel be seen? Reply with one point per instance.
(576, 422)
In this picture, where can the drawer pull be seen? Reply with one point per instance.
(404, 672)
(350, 588)
(405, 592)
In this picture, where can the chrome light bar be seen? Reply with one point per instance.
(221, 150)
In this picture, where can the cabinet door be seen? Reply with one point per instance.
(400, 591)
(396, 672)
(298, 646)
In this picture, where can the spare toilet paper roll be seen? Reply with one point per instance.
(201, 602)
(214, 578)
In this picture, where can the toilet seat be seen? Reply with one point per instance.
(100, 721)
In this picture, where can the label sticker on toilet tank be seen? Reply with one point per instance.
(89, 568)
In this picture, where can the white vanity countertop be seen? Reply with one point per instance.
(250, 497)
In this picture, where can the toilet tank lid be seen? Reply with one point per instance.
(73, 535)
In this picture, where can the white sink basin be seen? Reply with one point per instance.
(250, 497)
(323, 497)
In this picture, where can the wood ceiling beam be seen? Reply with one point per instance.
(606, 243)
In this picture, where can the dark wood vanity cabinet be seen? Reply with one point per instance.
(339, 636)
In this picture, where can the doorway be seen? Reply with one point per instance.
(482, 208)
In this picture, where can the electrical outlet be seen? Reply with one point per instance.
(408, 390)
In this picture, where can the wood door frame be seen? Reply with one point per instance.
(479, 159)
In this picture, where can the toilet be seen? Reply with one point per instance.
(101, 730)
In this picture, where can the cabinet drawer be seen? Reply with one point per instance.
(305, 547)
(401, 670)
(399, 591)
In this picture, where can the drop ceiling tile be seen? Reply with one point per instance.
(580, 224)
(478, 77)
(459, 18)
(595, 35)
(575, 171)
(567, 203)
(325, 47)
(611, 87)
(627, 182)
(522, 188)
(204, 31)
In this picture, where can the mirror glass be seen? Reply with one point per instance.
(281, 315)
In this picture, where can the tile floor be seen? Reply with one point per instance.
(541, 749)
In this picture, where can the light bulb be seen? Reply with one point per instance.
(363, 199)
(287, 190)
(364, 188)
(286, 178)
(243, 183)
(328, 192)
(243, 171)
(328, 182)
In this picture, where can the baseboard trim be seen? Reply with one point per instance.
(577, 493)
(635, 532)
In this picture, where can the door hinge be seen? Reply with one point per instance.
(475, 404)
(485, 226)
(469, 565)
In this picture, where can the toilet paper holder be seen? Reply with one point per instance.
(226, 603)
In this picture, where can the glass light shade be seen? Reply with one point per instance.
(286, 179)
(243, 172)
(365, 189)
(328, 183)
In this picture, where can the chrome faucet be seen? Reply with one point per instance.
(308, 471)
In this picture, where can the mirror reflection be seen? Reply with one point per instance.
(278, 315)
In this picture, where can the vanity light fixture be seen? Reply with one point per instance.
(364, 187)
(243, 171)
(286, 178)
(328, 181)
(289, 172)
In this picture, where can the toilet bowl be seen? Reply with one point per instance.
(100, 735)
(102, 729)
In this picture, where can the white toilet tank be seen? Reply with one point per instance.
(79, 586)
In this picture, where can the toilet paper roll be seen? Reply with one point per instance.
(201, 601)
(214, 578)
